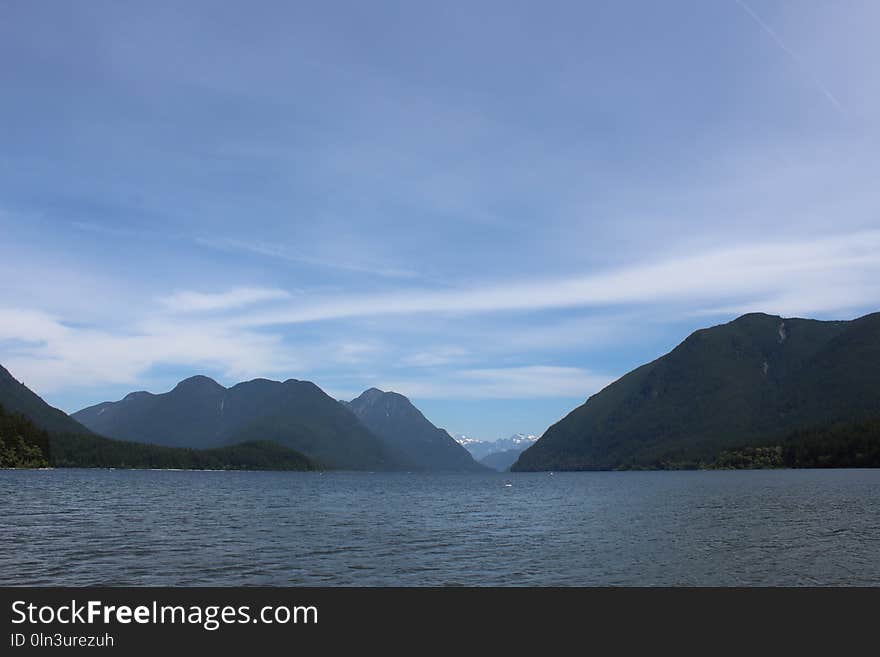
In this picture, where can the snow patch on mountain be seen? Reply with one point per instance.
(482, 448)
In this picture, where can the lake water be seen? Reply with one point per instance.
(90, 527)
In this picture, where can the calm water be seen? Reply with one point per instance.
(78, 527)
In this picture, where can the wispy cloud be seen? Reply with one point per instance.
(105, 229)
(809, 276)
(29, 326)
(798, 60)
(282, 252)
(49, 354)
(524, 382)
(191, 302)
(435, 356)
(233, 333)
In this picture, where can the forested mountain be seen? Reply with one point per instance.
(18, 398)
(749, 382)
(200, 413)
(393, 418)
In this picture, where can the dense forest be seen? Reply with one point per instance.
(88, 451)
(845, 445)
(22, 445)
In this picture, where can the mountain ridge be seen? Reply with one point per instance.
(748, 380)
(200, 413)
(404, 427)
(18, 398)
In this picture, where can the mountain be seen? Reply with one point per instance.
(502, 461)
(200, 413)
(747, 382)
(15, 397)
(393, 418)
(480, 449)
(470, 444)
(25, 445)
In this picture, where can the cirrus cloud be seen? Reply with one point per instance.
(187, 301)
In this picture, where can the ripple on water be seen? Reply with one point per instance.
(81, 527)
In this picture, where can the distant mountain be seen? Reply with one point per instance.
(201, 413)
(393, 418)
(467, 442)
(502, 461)
(744, 383)
(15, 397)
(480, 449)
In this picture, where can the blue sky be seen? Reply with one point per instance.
(495, 208)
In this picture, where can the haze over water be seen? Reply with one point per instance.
(92, 527)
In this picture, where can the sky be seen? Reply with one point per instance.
(494, 208)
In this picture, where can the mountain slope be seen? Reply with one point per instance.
(501, 461)
(200, 413)
(734, 384)
(402, 426)
(15, 397)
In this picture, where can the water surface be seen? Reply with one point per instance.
(784, 527)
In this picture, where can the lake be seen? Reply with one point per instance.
(121, 527)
